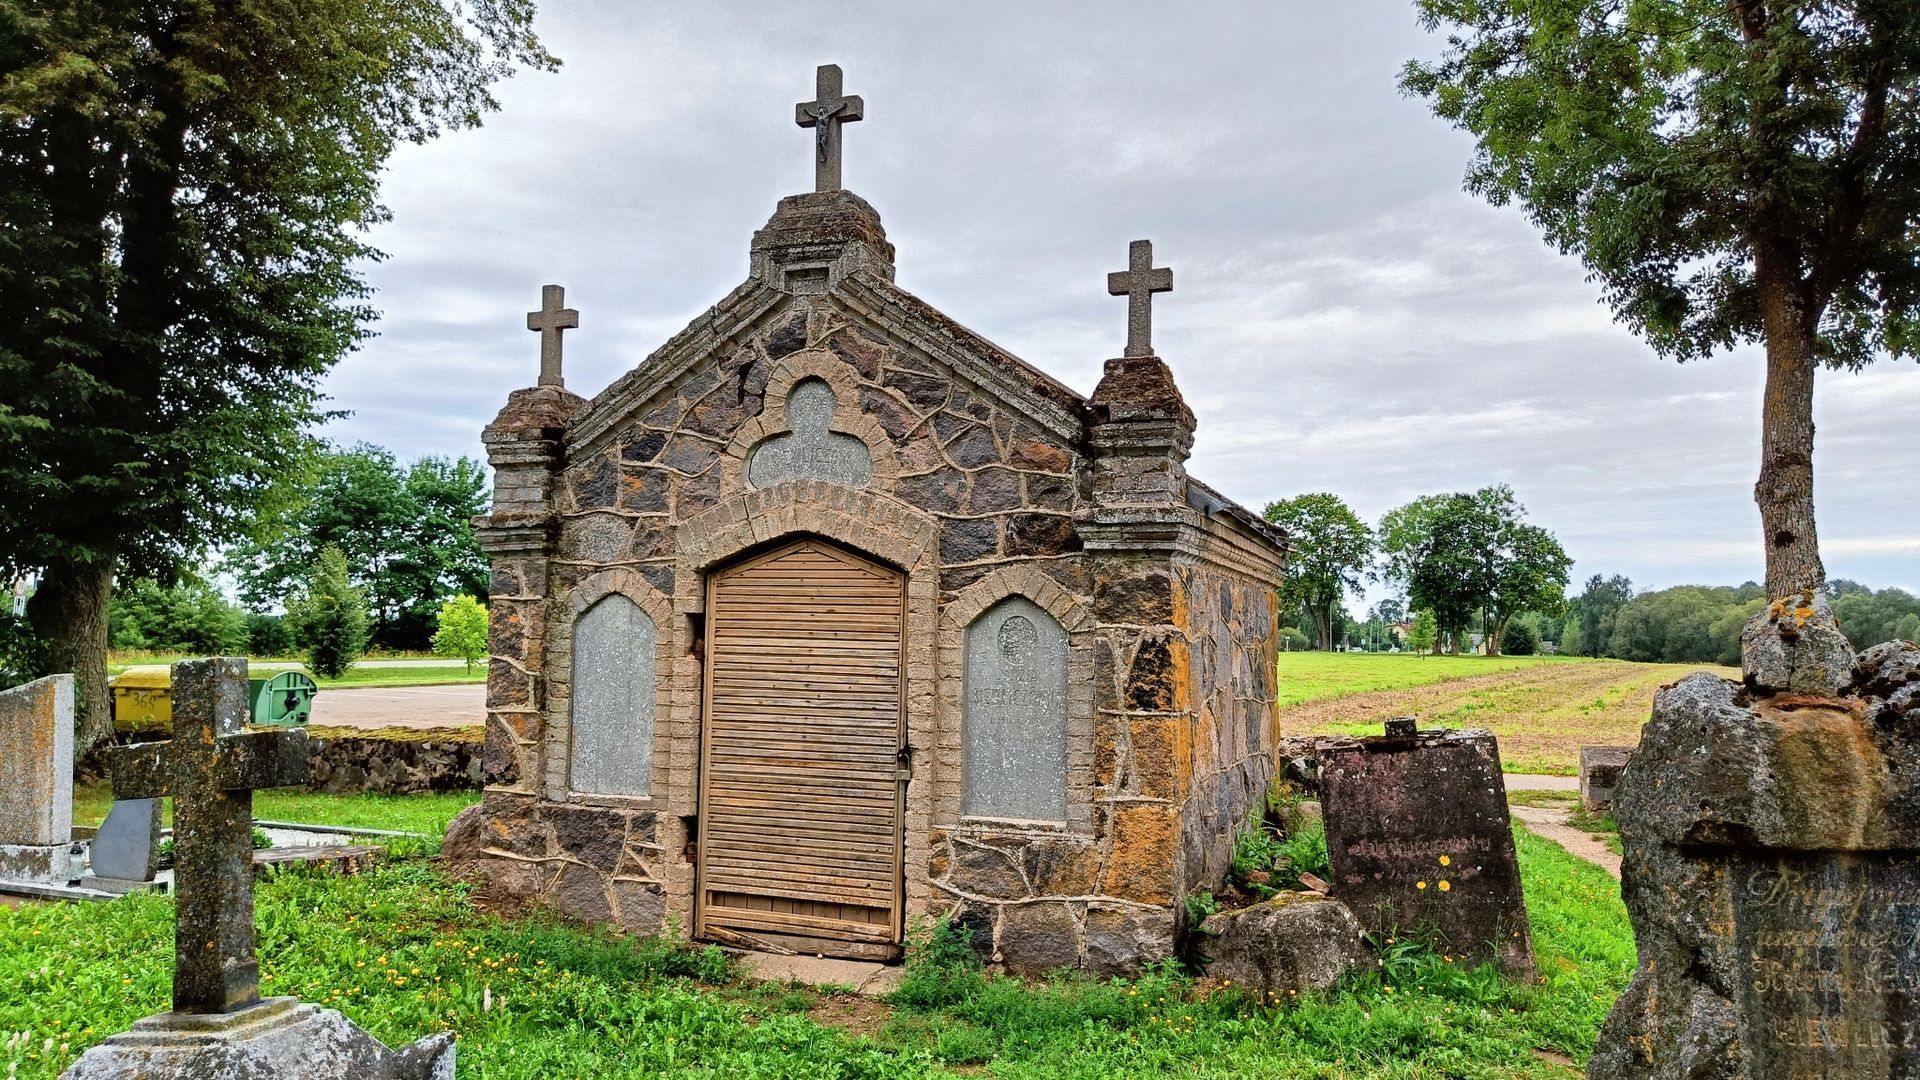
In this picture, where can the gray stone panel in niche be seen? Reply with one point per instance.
(809, 451)
(1016, 714)
(613, 697)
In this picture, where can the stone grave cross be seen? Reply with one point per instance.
(211, 768)
(824, 114)
(549, 322)
(1138, 282)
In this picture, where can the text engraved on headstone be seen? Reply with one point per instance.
(810, 451)
(1016, 714)
(613, 699)
(1420, 841)
(1831, 945)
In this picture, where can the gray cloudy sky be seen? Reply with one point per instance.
(1344, 318)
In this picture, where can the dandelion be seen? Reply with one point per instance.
(1445, 885)
(1446, 860)
(1421, 885)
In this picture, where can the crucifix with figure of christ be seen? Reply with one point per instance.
(824, 114)
(211, 768)
(1138, 282)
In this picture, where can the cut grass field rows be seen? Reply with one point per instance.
(1542, 709)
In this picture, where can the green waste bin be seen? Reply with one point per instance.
(282, 699)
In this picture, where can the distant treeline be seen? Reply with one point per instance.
(1701, 623)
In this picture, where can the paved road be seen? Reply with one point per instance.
(461, 705)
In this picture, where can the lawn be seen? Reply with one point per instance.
(1311, 676)
(432, 672)
(400, 951)
(1543, 709)
(425, 813)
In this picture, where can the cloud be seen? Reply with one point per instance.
(1344, 319)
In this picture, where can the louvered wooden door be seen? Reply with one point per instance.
(799, 802)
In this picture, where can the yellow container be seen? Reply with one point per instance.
(143, 699)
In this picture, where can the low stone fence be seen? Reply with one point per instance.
(393, 761)
(387, 761)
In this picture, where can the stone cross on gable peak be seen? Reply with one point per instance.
(552, 318)
(1138, 282)
(825, 114)
(211, 768)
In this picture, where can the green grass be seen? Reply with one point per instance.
(421, 676)
(401, 952)
(1311, 676)
(425, 813)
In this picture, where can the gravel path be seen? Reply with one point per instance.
(1552, 825)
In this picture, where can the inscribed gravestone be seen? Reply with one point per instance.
(36, 779)
(1016, 714)
(1420, 842)
(1772, 868)
(613, 699)
(809, 451)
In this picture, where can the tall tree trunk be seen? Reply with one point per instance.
(1785, 489)
(69, 610)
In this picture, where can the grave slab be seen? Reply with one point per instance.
(1420, 841)
(127, 847)
(36, 780)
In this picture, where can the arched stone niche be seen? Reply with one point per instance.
(1015, 719)
(613, 685)
(810, 450)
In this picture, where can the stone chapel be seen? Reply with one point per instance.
(831, 617)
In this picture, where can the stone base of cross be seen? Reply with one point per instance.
(210, 769)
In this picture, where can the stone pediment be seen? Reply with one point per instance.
(828, 249)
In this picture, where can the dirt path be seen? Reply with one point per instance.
(1552, 825)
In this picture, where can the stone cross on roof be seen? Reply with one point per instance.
(211, 769)
(1138, 282)
(548, 322)
(824, 114)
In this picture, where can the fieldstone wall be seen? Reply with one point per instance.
(351, 764)
(820, 399)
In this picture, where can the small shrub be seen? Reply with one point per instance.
(941, 970)
(329, 618)
(1518, 640)
(268, 635)
(462, 630)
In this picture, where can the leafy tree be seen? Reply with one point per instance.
(268, 635)
(406, 531)
(1424, 633)
(1465, 554)
(1907, 629)
(1729, 171)
(1573, 640)
(462, 630)
(329, 617)
(190, 617)
(1519, 640)
(1684, 624)
(1596, 607)
(1389, 611)
(1292, 640)
(1869, 618)
(1331, 546)
(185, 189)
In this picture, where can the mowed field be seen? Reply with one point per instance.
(1542, 708)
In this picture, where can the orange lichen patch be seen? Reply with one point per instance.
(1163, 756)
(1145, 845)
(1181, 654)
(1106, 753)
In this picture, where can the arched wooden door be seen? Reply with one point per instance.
(800, 801)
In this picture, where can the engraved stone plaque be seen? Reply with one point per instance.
(1831, 943)
(1016, 714)
(613, 695)
(809, 450)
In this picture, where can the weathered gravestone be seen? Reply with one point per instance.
(127, 847)
(220, 1027)
(1420, 841)
(1600, 774)
(36, 780)
(1016, 714)
(1772, 866)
